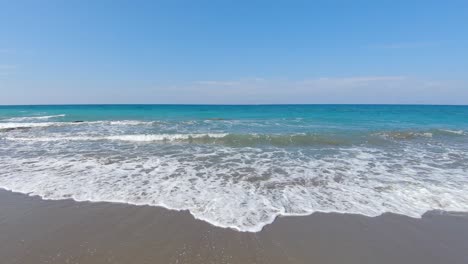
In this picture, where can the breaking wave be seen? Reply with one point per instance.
(32, 118)
(241, 140)
(239, 174)
(246, 188)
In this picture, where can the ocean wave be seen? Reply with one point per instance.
(21, 125)
(241, 140)
(165, 137)
(245, 189)
(134, 138)
(455, 132)
(11, 126)
(32, 118)
(128, 122)
(301, 137)
(206, 138)
(406, 135)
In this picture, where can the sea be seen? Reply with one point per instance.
(241, 166)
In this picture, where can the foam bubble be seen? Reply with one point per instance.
(242, 188)
(240, 174)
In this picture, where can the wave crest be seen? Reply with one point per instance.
(32, 118)
(208, 138)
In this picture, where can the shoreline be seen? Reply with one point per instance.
(233, 228)
(65, 231)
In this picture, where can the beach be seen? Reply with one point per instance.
(231, 132)
(241, 166)
(233, 184)
(40, 231)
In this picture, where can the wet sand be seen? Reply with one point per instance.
(36, 231)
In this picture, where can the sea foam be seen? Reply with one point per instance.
(244, 188)
(134, 138)
(32, 118)
(238, 172)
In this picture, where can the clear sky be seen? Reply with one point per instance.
(59, 52)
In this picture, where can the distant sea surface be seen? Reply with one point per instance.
(241, 166)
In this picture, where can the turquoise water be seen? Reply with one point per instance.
(241, 166)
(349, 115)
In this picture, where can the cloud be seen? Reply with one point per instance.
(220, 83)
(368, 89)
(217, 83)
(354, 89)
(351, 81)
(322, 82)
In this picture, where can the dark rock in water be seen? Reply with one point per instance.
(78, 121)
(216, 118)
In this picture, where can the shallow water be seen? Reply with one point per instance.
(241, 166)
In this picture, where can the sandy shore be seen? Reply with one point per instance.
(37, 231)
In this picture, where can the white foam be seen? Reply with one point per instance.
(404, 134)
(456, 132)
(32, 118)
(123, 123)
(163, 137)
(27, 125)
(243, 188)
(135, 138)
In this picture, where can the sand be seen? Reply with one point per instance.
(36, 231)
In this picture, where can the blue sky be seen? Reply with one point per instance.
(59, 52)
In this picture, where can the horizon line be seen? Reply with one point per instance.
(248, 104)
